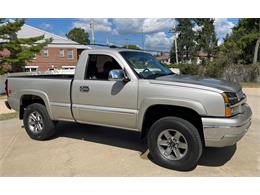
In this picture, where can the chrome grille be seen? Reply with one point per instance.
(240, 95)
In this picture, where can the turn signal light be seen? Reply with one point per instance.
(228, 112)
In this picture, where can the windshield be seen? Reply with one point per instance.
(145, 65)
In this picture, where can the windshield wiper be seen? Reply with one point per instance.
(156, 75)
(170, 73)
(161, 75)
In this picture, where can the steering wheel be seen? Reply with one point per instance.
(146, 70)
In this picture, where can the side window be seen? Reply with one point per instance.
(99, 67)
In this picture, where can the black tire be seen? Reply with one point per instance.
(189, 160)
(48, 126)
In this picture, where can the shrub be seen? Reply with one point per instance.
(242, 73)
(189, 69)
(216, 69)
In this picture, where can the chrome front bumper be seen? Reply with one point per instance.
(220, 132)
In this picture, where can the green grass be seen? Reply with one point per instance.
(7, 116)
(250, 85)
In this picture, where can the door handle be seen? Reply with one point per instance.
(84, 88)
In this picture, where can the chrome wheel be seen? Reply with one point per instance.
(172, 144)
(35, 122)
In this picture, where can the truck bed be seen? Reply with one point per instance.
(55, 90)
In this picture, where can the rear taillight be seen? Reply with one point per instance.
(7, 91)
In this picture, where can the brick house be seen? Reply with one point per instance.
(164, 58)
(61, 54)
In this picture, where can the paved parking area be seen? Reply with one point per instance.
(85, 150)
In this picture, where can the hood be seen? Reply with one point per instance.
(209, 82)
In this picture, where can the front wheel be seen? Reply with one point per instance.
(37, 122)
(174, 143)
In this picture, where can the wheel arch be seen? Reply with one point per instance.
(156, 111)
(29, 97)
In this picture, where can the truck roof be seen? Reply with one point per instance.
(112, 50)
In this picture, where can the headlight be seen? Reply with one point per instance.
(230, 98)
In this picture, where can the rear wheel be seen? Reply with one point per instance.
(37, 122)
(174, 143)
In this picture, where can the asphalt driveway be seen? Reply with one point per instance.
(86, 150)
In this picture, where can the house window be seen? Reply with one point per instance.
(68, 67)
(34, 56)
(31, 68)
(61, 53)
(45, 53)
(51, 68)
(70, 54)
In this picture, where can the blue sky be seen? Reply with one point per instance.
(120, 30)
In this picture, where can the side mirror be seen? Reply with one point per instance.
(117, 75)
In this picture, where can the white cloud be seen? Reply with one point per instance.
(197, 28)
(128, 25)
(46, 26)
(222, 28)
(100, 24)
(158, 41)
(158, 24)
(139, 25)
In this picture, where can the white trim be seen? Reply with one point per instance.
(31, 67)
(56, 45)
(68, 66)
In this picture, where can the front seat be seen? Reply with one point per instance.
(108, 66)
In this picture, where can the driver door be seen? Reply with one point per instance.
(96, 100)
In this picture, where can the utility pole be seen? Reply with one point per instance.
(143, 36)
(176, 48)
(173, 30)
(92, 27)
(127, 42)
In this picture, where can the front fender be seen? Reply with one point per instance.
(187, 103)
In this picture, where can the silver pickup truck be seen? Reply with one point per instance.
(177, 115)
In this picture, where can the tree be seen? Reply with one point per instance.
(21, 50)
(78, 35)
(244, 41)
(135, 47)
(186, 37)
(206, 37)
